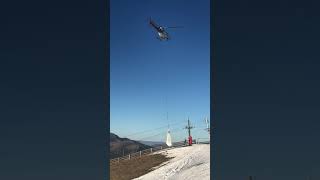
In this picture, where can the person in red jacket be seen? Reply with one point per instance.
(190, 141)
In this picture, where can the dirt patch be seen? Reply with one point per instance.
(130, 169)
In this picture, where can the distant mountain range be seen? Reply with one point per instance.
(153, 143)
(123, 146)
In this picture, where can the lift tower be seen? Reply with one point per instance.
(189, 127)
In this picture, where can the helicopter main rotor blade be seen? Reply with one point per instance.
(153, 23)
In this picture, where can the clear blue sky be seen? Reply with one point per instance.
(150, 78)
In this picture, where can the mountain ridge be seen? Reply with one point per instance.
(123, 146)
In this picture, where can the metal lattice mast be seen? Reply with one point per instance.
(189, 127)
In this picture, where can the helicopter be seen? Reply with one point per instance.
(163, 35)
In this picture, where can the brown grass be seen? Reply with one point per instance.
(130, 169)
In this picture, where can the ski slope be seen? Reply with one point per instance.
(188, 163)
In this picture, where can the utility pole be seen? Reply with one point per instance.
(208, 125)
(189, 127)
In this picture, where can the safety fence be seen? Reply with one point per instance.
(147, 151)
(156, 149)
(203, 141)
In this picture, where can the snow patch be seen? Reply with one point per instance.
(188, 163)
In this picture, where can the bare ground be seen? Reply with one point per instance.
(130, 169)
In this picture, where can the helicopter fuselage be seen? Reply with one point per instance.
(163, 35)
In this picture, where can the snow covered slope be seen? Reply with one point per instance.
(188, 163)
